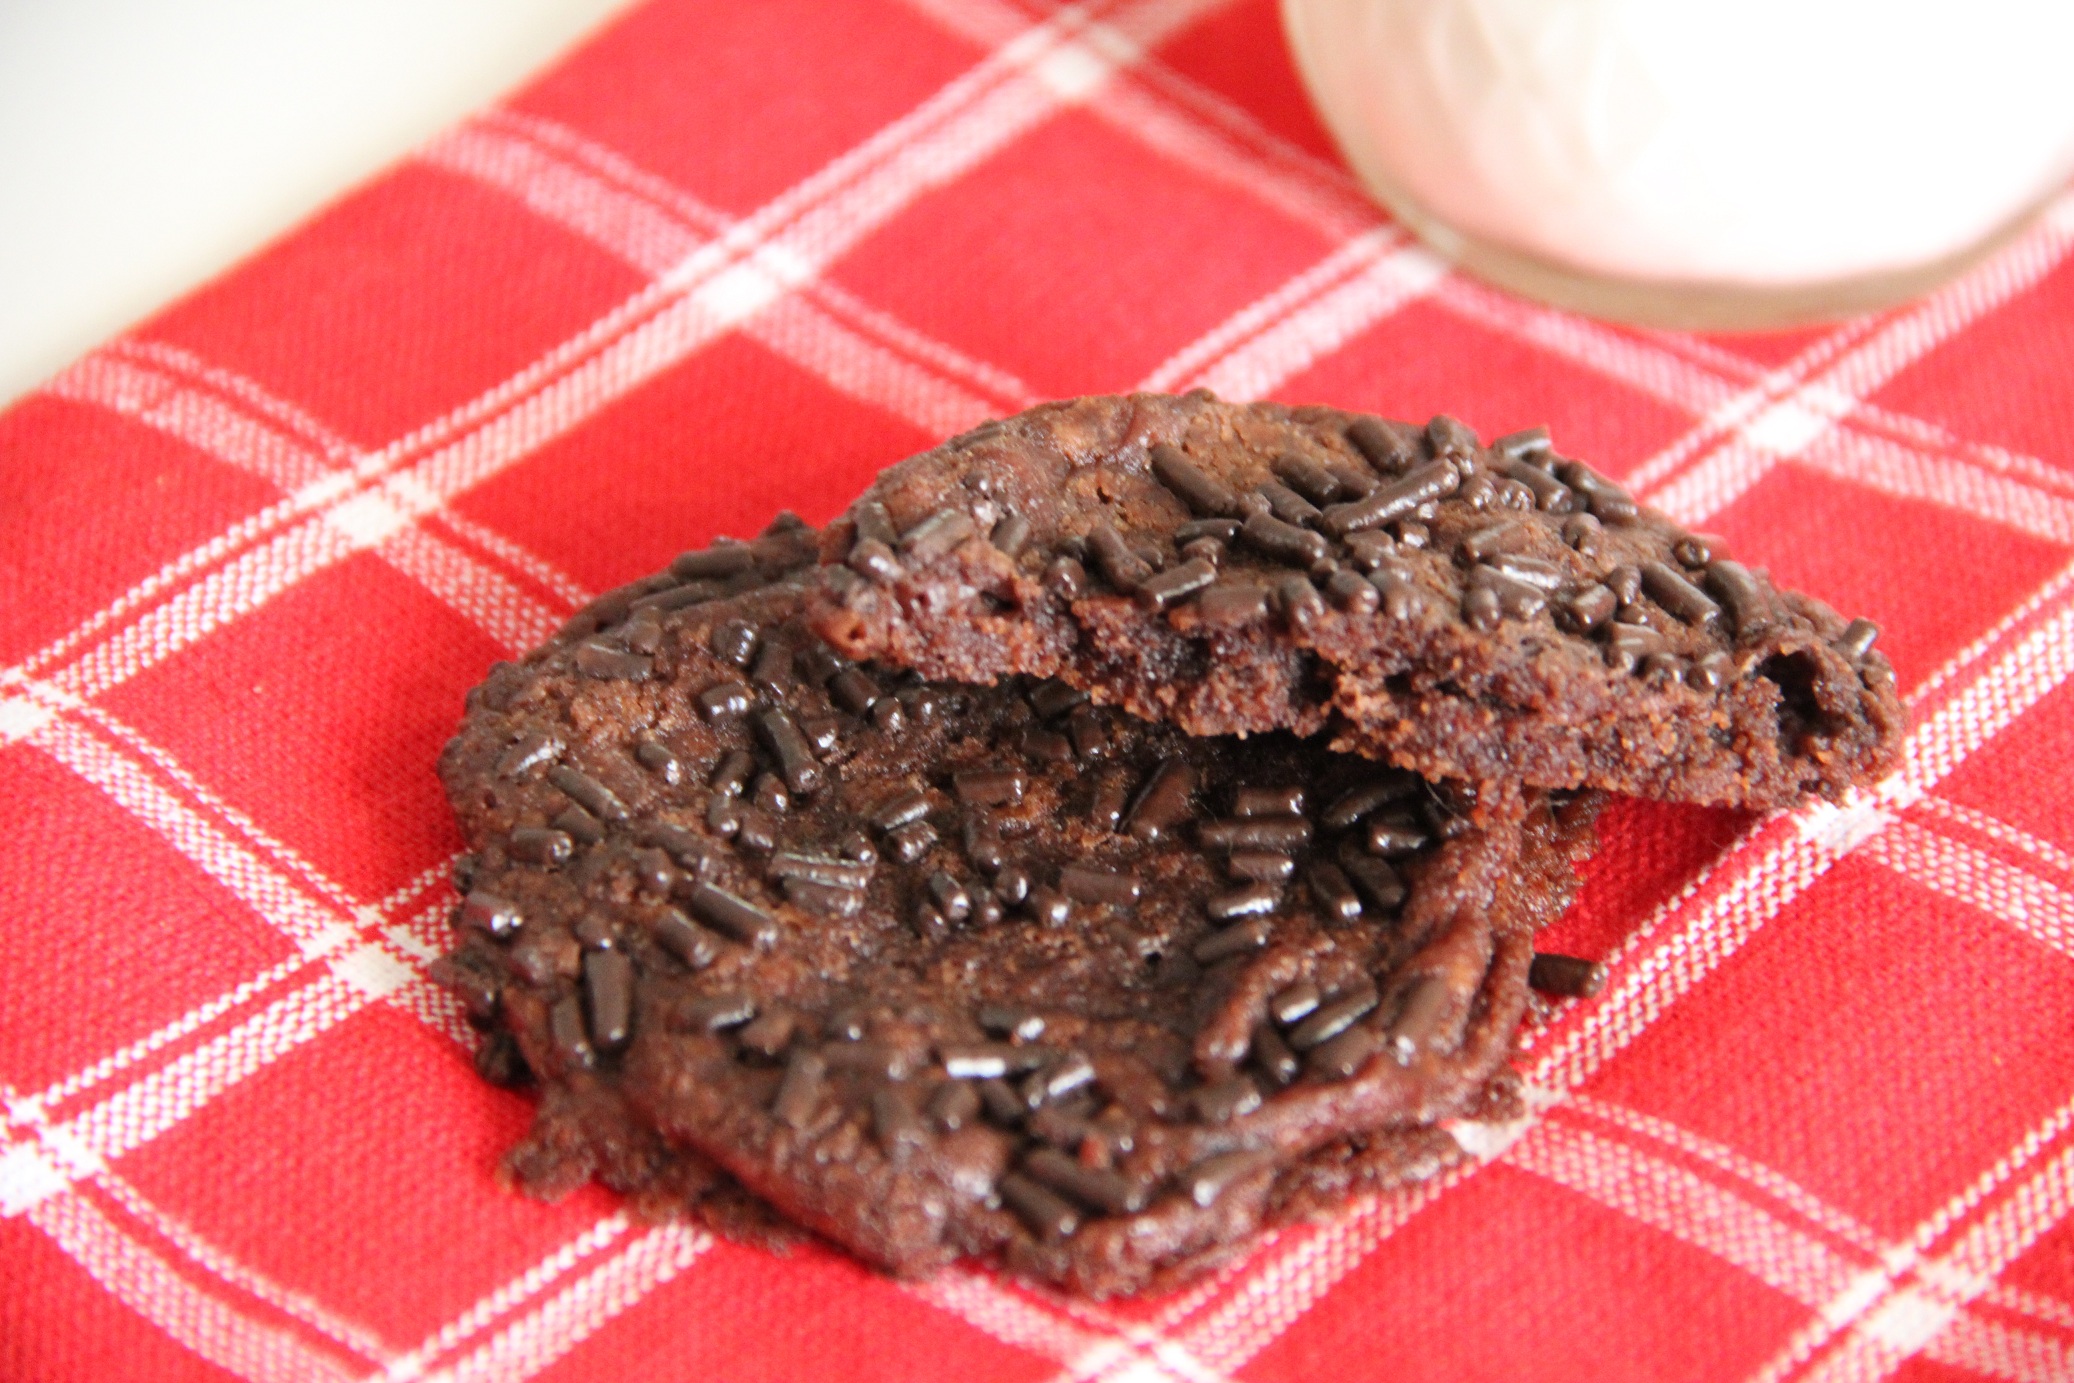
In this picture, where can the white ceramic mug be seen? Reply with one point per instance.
(1698, 162)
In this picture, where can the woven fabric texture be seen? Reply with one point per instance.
(729, 258)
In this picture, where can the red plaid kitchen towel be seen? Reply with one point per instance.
(730, 258)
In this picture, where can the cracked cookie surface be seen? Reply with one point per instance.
(1493, 614)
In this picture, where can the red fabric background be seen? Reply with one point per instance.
(734, 257)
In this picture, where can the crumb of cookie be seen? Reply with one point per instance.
(940, 971)
(1496, 613)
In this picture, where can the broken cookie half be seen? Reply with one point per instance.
(1494, 614)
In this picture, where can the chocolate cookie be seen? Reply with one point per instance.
(940, 970)
(1485, 613)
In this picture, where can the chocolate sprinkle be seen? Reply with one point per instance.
(1317, 484)
(609, 664)
(936, 535)
(1481, 608)
(1255, 833)
(896, 1125)
(1609, 502)
(741, 920)
(1088, 885)
(1488, 542)
(1206, 1182)
(726, 699)
(1066, 577)
(1332, 1019)
(532, 750)
(734, 642)
(1165, 801)
(1351, 593)
(1352, 806)
(656, 757)
(1020, 1024)
(1176, 584)
(1418, 1018)
(950, 897)
(1000, 1102)
(769, 794)
(732, 773)
(1669, 588)
(1103, 1191)
(579, 825)
(1222, 531)
(1284, 541)
(1049, 907)
(1392, 840)
(1295, 1003)
(910, 842)
(769, 1033)
(820, 869)
(977, 1060)
(954, 1105)
(1063, 1077)
(500, 1062)
(1012, 886)
(715, 1012)
(1566, 977)
(874, 524)
(1232, 604)
(1857, 639)
(1226, 1100)
(686, 940)
(588, 793)
(1287, 505)
(1053, 699)
(718, 562)
(1397, 500)
(491, 915)
(1749, 610)
(571, 1042)
(1011, 535)
(1278, 801)
(677, 598)
(773, 671)
(800, 1093)
(1334, 894)
(1374, 879)
(1089, 732)
(1125, 569)
(854, 691)
(1343, 1057)
(1529, 571)
(1260, 866)
(900, 811)
(1246, 936)
(1047, 1215)
(537, 845)
(1585, 610)
(795, 755)
(608, 991)
(1254, 900)
(874, 560)
(1272, 1057)
(1205, 496)
(994, 787)
(756, 831)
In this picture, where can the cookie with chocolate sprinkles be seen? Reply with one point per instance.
(940, 971)
(1489, 613)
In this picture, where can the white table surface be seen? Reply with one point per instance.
(147, 144)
